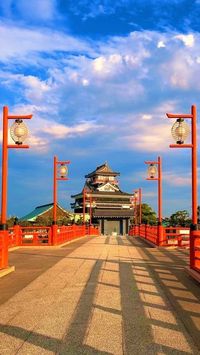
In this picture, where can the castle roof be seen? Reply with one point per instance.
(103, 169)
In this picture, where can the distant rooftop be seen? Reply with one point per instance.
(38, 211)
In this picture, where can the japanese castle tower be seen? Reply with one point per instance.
(108, 206)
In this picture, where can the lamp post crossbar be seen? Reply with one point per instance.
(181, 146)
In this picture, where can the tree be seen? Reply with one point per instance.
(148, 215)
(11, 221)
(180, 218)
(166, 222)
(65, 221)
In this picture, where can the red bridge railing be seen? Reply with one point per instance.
(41, 236)
(196, 257)
(171, 236)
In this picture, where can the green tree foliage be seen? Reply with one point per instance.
(148, 214)
(166, 222)
(180, 218)
(65, 221)
(47, 221)
(11, 221)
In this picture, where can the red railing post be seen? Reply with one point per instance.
(18, 234)
(145, 231)
(35, 239)
(4, 255)
(73, 231)
(54, 234)
(179, 239)
(160, 235)
(49, 236)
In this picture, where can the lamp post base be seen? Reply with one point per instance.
(4, 248)
(54, 234)
(160, 235)
(6, 271)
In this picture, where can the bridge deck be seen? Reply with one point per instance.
(102, 295)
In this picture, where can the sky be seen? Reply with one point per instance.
(99, 77)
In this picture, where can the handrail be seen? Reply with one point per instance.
(42, 235)
(171, 235)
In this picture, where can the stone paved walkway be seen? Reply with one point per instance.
(103, 295)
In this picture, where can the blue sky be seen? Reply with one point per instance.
(98, 77)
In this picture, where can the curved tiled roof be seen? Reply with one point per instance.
(102, 169)
(38, 211)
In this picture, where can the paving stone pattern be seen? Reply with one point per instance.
(101, 295)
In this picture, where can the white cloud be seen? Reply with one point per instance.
(188, 40)
(25, 45)
(154, 137)
(39, 144)
(182, 69)
(35, 87)
(161, 44)
(146, 117)
(149, 194)
(61, 131)
(85, 82)
(124, 85)
(176, 179)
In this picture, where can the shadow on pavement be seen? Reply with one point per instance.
(159, 302)
(182, 292)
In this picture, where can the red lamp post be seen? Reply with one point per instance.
(19, 133)
(133, 206)
(92, 205)
(84, 200)
(180, 131)
(60, 172)
(138, 196)
(155, 173)
(90, 209)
